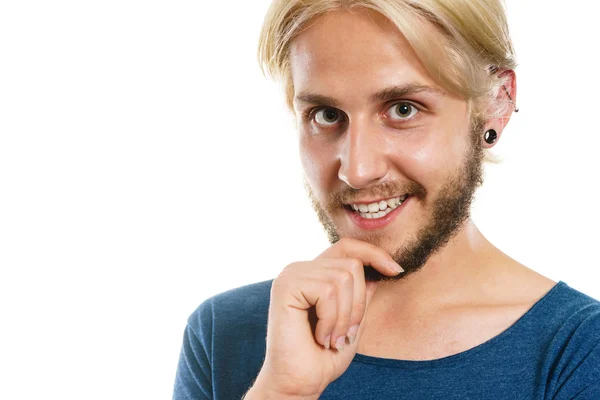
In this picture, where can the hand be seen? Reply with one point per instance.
(303, 358)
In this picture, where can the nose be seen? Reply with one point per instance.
(362, 156)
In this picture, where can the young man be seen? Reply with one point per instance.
(397, 103)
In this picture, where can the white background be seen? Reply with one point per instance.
(146, 164)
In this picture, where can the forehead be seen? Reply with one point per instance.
(346, 54)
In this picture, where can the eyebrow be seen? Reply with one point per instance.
(390, 93)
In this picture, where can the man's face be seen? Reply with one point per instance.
(374, 127)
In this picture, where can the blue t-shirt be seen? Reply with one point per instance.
(551, 352)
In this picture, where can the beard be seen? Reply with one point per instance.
(449, 212)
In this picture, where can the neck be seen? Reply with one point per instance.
(449, 276)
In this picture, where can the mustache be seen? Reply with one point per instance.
(348, 194)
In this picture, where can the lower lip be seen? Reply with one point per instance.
(378, 223)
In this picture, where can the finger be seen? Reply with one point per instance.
(343, 273)
(327, 306)
(359, 297)
(359, 302)
(324, 294)
(368, 253)
(298, 292)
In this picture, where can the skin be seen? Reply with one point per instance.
(465, 293)
(469, 280)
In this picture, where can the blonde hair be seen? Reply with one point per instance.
(471, 39)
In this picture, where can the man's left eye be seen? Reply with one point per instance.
(402, 111)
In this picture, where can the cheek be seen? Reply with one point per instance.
(431, 151)
(318, 164)
(418, 156)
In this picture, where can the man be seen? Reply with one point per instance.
(397, 103)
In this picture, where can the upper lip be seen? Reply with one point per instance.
(373, 201)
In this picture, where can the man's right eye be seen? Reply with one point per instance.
(326, 116)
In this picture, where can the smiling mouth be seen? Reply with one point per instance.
(377, 209)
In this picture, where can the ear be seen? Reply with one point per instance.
(505, 101)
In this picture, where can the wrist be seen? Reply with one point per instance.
(261, 390)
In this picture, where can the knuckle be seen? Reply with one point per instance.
(345, 278)
(283, 273)
(329, 291)
(286, 275)
(341, 328)
(355, 265)
(291, 270)
(346, 316)
(292, 266)
(279, 284)
(281, 277)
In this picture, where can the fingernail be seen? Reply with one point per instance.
(352, 333)
(340, 343)
(327, 341)
(394, 266)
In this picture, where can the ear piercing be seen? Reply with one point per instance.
(493, 70)
(510, 99)
(490, 136)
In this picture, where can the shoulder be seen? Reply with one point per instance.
(572, 306)
(239, 306)
(568, 313)
(574, 351)
(224, 344)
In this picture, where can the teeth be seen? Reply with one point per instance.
(380, 209)
(373, 207)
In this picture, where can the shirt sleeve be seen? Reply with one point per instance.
(578, 371)
(193, 380)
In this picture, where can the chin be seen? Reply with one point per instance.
(391, 243)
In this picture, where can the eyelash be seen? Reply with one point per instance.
(309, 115)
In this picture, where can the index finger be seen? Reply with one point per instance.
(367, 253)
